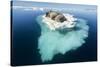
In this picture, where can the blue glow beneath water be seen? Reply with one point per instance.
(54, 42)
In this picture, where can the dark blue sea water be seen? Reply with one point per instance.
(26, 31)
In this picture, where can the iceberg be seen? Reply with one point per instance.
(56, 20)
(54, 41)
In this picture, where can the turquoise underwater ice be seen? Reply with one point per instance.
(51, 43)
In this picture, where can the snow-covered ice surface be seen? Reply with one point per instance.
(53, 25)
(60, 41)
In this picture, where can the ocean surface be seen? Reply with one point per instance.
(26, 32)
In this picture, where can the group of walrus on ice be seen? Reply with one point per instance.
(57, 20)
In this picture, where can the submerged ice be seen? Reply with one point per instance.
(51, 43)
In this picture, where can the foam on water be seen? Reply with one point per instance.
(51, 43)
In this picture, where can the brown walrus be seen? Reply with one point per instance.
(56, 16)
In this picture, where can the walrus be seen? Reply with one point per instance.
(56, 16)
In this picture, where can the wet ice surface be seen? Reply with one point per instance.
(62, 40)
